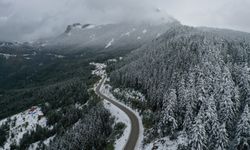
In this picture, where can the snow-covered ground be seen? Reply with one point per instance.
(99, 69)
(22, 123)
(130, 94)
(106, 90)
(166, 144)
(119, 116)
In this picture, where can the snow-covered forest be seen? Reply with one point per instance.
(196, 81)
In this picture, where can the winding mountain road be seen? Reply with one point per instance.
(135, 128)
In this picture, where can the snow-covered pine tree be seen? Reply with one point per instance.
(222, 139)
(210, 113)
(243, 128)
(190, 90)
(236, 99)
(226, 105)
(198, 137)
(169, 123)
(182, 96)
(200, 88)
(243, 82)
(188, 120)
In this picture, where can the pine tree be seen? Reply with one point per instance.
(168, 121)
(188, 120)
(211, 121)
(198, 137)
(243, 128)
(210, 113)
(222, 139)
(191, 92)
(236, 99)
(226, 105)
(182, 94)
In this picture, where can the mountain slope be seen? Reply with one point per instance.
(196, 81)
(123, 36)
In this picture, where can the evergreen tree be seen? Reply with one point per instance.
(168, 121)
(198, 137)
(243, 129)
(188, 120)
(226, 105)
(222, 139)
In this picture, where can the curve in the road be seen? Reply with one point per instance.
(135, 128)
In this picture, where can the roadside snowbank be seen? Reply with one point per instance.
(120, 116)
(115, 111)
(105, 90)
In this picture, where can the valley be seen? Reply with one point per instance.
(127, 86)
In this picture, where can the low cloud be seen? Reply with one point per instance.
(33, 19)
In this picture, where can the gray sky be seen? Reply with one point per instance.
(32, 19)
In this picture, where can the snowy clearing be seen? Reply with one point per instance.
(22, 123)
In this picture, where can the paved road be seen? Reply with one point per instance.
(135, 128)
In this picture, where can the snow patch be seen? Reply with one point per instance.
(22, 123)
(109, 43)
(112, 60)
(158, 35)
(7, 56)
(90, 26)
(99, 69)
(144, 31)
(56, 55)
(130, 94)
(165, 143)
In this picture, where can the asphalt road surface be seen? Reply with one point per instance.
(135, 128)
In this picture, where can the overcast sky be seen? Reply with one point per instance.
(24, 20)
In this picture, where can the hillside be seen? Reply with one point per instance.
(44, 94)
(195, 80)
(106, 37)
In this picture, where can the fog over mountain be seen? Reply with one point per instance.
(24, 20)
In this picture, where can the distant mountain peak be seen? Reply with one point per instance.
(77, 26)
